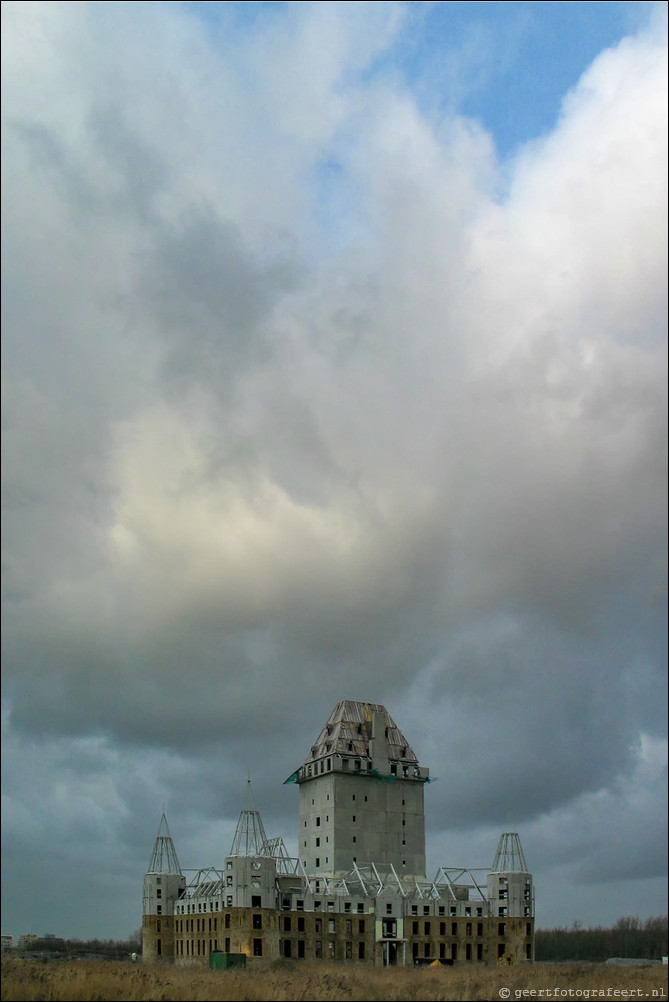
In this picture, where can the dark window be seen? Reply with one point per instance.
(318, 948)
(442, 951)
(286, 948)
(501, 949)
(361, 926)
(257, 924)
(227, 945)
(454, 928)
(300, 924)
(479, 951)
(349, 951)
(300, 948)
(257, 948)
(227, 920)
(256, 901)
(454, 951)
(349, 926)
(427, 928)
(159, 947)
(286, 923)
(415, 928)
(501, 929)
(468, 951)
(468, 929)
(479, 928)
(528, 929)
(361, 946)
(528, 951)
(442, 928)
(318, 925)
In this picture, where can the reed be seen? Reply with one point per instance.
(108, 981)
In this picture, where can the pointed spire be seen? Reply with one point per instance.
(509, 857)
(250, 838)
(164, 857)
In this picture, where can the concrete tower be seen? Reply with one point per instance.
(361, 796)
(163, 884)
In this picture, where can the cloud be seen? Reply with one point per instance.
(262, 455)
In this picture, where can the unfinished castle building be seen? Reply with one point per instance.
(358, 891)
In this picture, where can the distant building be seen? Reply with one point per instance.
(358, 891)
(7, 942)
(27, 940)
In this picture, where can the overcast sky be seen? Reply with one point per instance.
(334, 367)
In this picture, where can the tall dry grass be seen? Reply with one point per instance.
(297, 981)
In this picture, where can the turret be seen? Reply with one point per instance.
(164, 883)
(511, 899)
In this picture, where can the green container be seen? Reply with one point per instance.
(219, 961)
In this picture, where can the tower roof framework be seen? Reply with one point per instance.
(164, 857)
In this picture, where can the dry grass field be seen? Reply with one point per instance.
(89, 981)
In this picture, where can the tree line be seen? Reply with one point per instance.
(113, 949)
(628, 937)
